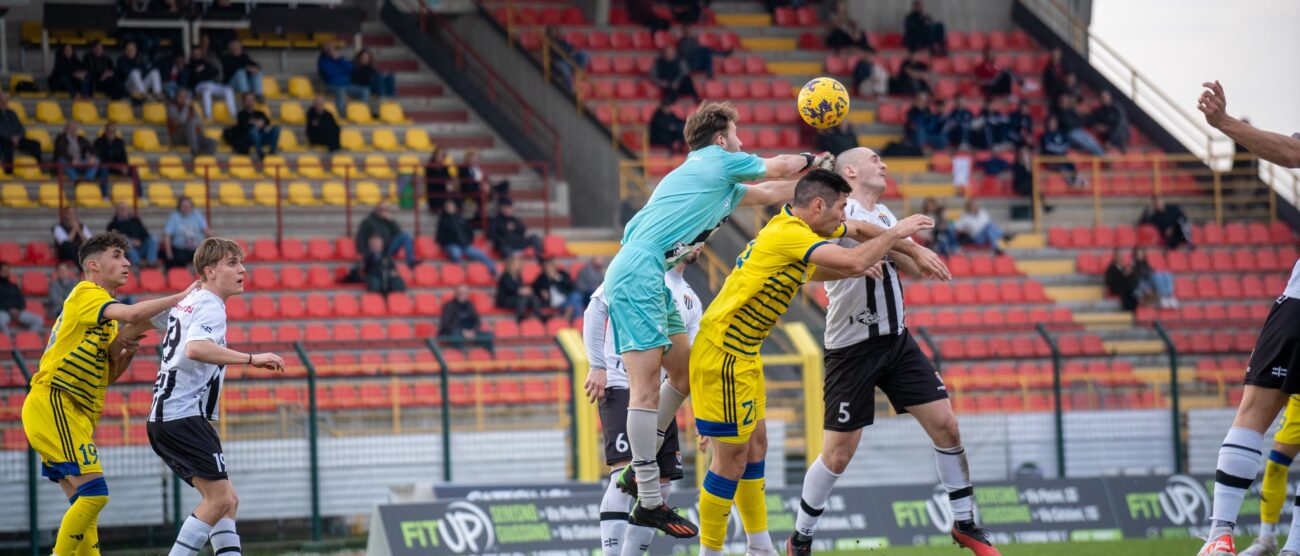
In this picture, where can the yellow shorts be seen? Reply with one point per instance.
(61, 432)
(727, 393)
(1290, 431)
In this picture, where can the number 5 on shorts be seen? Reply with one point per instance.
(844, 412)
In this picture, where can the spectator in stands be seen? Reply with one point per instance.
(322, 128)
(380, 222)
(564, 56)
(994, 81)
(845, 31)
(62, 280)
(1170, 221)
(1020, 125)
(457, 239)
(204, 78)
(13, 305)
(870, 79)
(142, 247)
(438, 174)
(698, 57)
(1110, 122)
(185, 125)
(69, 74)
(69, 233)
(941, 237)
(666, 128)
(957, 121)
(508, 233)
(100, 74)
(137, 76)
(13, 136)
(922, 32)
(242, 73)
(590, 277)
(253, 130)
(989, 128)
(1072, 125)
(512, 293)
(474, 179)
(1022, 172)
(460, 321)
(365, 74)
(924, 128)
(1119, 279)
(378, 268)
(336, 75)
(673, 76)
(975, 227)
(1070, 86)
(555, 290)
(912, 77)
(838, 139)
(1152, 285)
(76, 156)
(111, 150)
(642, 12)
(1054, 75)
(185, 229)
(1055, 143)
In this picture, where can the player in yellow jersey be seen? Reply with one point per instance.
(726, 369)
(86, 353)
(1272, 492)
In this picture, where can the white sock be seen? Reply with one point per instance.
(1239, 462)
(760, 542)
(665, 488)
(613, 516)
(669, 400)
(641, 435)
(1293, 537)
(636, 540)
(709, 551)
(1267, 530)
(193, 535)
(817, 484)
(954, 473)
(225, 542)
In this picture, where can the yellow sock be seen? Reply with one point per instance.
(90, 544)
(751, 499)
(715, 507)
(1273, 489)
(80, 519)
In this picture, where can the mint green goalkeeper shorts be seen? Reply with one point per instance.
(641, 309)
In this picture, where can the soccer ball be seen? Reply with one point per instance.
(823, 102)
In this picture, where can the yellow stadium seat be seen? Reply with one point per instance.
(206, 166)
(409, 164)
(15, 195)
(154, 113)
(221, 114)
(265, 193)
(274, 166)
(351, 140)
(26, 168)
(300, 87)
(377, 167)
(275, 41)
(48, 112)
(291, 113)
(40, 135)
(141, 166)
(88, 195)
(197, 191)
(385, 140)
(333, 193)
(123, 193)
(18, 78)
(241, 167)
(146, 139)
(301, 194)
(232, 194)
(391, 112)
(119, 112)
(342, 165)
(368, 193)
(359, 113)
(171, 167)
(49, 196)
(85, 112)
(418, 140)
(309, 167)
(289, 141)
(20, 110)
(161, 195)
(271, 87)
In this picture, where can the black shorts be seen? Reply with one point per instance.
(190, 447)
(613, 419)
(894, 363)
(1277, 350)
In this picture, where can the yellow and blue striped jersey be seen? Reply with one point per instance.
(767, 276)
(76, 357)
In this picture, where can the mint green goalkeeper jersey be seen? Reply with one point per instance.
(693, 201)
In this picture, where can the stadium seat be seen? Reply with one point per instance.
(352, 140)
(359, 113)
(48, 112)
(146, 139)
(291, 113)
(300, 87)
(119, 112)
(385, 140)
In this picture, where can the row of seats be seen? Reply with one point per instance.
(977, 347)
(1207, 315)
(633, 39)
(30, 34)
(640, 64)
(984, 318)
(1229, 286)
(1042, 401)
(1026, 64)
(1214, 343)
(965, 293)
(1239, 259)
(957, 40)
(391, 330)
(1231, 233)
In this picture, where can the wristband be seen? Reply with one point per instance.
(250, 359)
(807, 161)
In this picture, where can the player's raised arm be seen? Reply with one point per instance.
(924, 262)
(144, 310)
(1273, 147)
(859, 259)
(790, 165)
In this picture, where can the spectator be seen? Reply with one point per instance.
(185, 125)
(1152, 285)
(76, 156)
(378, 268)
(921, 32)
(667, 128)
(642, 12)
(1067, 116)
(555, 290)
(253, 130)
(1020, 125)
(870, 79)
(142, 247)
(172, 71)
(845, 31)
(364, 74)
(242, 73)
(924, 127)
(322, 128)
(673, 76)
(204, 79)
(512, 293)
(100, 74)
(69, 233)
(912, 77)
(1054, 143)
(698, 57)
(1111, 122)
(460, 320)
(1069, 86)
(473, 179)
(185, 229)
(989, 128)
(838, 139)
(562, 53)
(137, 76)
(1022, 172)
(336, 75)
(13, 306)
(380, 222)
(962, 166)
(1054, 75)
(975, 227)
(1170, 222)
(590, 277)
(13, 136)
(994, 81)
(69, 74)
(457, 239)
(508, 234)
(438, 173)
(1119, 279)
(941, 237)
(61, 283)
(111, 150)
(957, 121)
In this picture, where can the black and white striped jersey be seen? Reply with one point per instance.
(863, 308)
(1293, 285)
(185, 387)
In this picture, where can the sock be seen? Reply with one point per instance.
(81, 518)
(715, 507)
(613, 516)
(669, 400)
(225, 542)
(1268, 531)
(194, 534)
(954, 473)
(750, 499)
(817, 484)
(641, 435)
(1293, 537)
(90, 544)
(706, 551)
(637, 539)
(1239, 460)
(665, 489)
(1272, 492)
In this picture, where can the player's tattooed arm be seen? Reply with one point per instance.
(769, 193)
